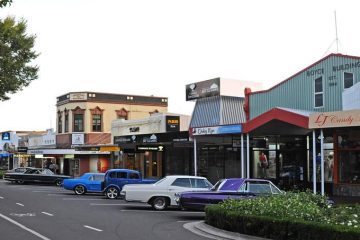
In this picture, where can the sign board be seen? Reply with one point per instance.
(349, 118)
(5, 136)
(172, 123)
(69, 156)
(203, 89)
(109, 149)
(78, 96)
(22, 149)
(77, 138)
(149, 148)
(226, 129)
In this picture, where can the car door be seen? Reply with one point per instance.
(134, 178)
(94, 182)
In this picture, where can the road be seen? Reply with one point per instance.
(49, 212)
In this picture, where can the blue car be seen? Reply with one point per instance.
(89, 182)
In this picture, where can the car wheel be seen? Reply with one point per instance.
(20, 182)
(58, 182)
(79, 190)
(159, 203)
(112, 192)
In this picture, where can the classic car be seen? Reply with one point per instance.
(88, 182)
(19, 169)
(36, 175)
(232, 188)
(115, 179)
(160, 195)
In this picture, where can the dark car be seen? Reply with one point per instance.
(19, 169)
(233, 188)
(36, 175)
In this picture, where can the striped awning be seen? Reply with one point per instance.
(217, 111)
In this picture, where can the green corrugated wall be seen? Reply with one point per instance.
(298, 91)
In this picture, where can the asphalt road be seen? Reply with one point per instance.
(48, 212)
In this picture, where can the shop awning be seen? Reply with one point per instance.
(282, 121)
(218, 111)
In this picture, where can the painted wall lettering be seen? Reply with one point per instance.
(346, 66)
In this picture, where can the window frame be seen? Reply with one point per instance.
(60, 123)
(75, 128)
(319, 93)
(353, 78)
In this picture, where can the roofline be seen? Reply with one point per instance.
(277, 114)
(301, 71)
(133, 95)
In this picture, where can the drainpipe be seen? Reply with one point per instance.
(322, 162)
(314, 160)
(242, 157)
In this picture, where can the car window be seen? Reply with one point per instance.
(259, 187)
(275, 190)
(112, 175)
(31, 171)
(200, 183)
(46, 172)
(182, 182)
(98, 177)
(160, 181)
(134, 176)
(218, 185)
(122, 175)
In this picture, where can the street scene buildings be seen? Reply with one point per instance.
(307, 127)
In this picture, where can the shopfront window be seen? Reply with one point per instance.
(349, 157)
(264, 158)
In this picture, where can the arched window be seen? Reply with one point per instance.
(96, 119)
(78, 119)
(122, 114)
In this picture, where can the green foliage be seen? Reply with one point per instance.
(290, 216)
(3, 3)
(16, 55)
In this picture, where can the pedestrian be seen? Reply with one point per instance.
(263, 163)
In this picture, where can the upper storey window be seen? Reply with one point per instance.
(59, 122)
(348, 80)
(78, 119)
(96, 116)
(319, 92)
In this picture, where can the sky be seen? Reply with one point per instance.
(156, 47)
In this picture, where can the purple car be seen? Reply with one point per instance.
(232, 188)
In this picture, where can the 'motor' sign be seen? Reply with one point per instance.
(335, 119)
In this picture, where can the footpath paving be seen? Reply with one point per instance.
(202, 229)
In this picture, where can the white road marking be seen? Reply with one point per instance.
(126, 210)
(23, 214)
(23, 227)
(1, 197)
(96, 229)
(46, 213)
(20, 204)
(83, 199)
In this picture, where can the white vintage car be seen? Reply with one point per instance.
(161, 194)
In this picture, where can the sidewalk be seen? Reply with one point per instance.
(202, 229)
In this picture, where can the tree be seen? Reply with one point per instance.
(16, 55)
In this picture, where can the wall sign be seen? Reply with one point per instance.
(172, 123)
(226, 129)
(5, 136)
(349, 118)
(203, 89)
(148, 148)
(78, 96)
(77, 138)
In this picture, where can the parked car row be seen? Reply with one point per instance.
(186, 192)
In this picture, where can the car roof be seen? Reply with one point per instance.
(184, 176)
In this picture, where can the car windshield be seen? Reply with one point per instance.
(217, 185)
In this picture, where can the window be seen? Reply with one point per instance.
(59, 122)
(66, 127)
(78, 122)
(348, 80)
(118, 175)
(319, 93)
(134, 176)
(182, 182)
(96, 123)
(200, 183)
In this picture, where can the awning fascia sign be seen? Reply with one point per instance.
(226, 129)
(350, 118)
